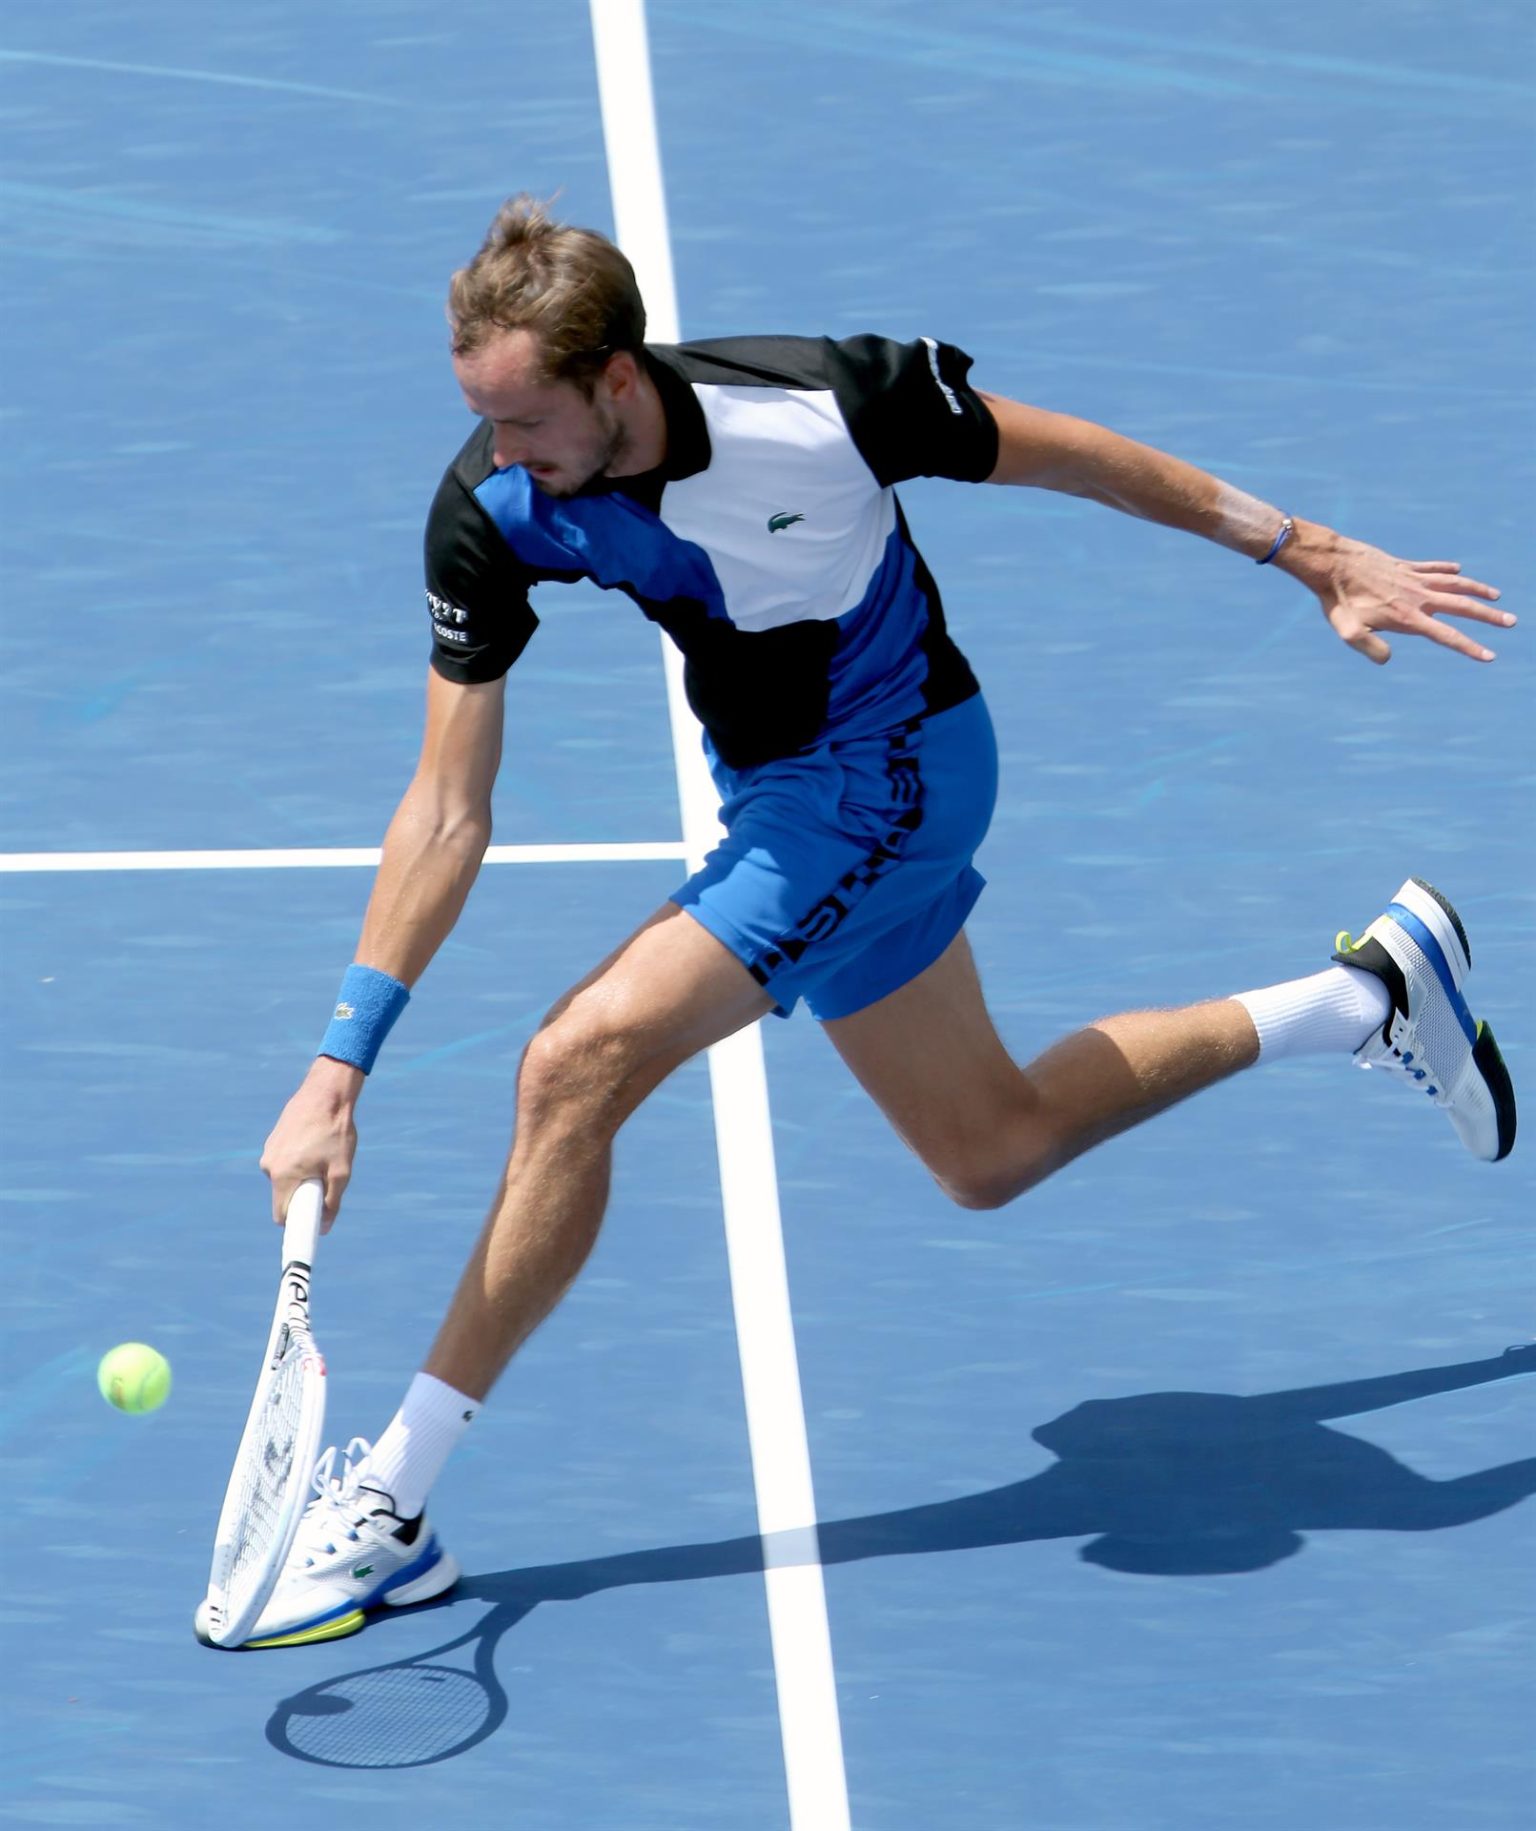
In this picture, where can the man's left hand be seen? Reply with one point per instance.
(1364, 591)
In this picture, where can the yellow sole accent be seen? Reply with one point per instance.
(327, 1630)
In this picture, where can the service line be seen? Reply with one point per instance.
(289, 858)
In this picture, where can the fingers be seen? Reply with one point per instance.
(1464, 588)
(1369, 644)
(1455, 596)
(284, 1185)
(1454, 638)
(1440, 605)
(335, 1185)
(1452, 589)
(282, 1194)
(1449, 571)
(1366, 642)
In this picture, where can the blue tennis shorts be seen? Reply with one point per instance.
(846, 871)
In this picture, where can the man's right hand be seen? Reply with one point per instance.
(315, 1137)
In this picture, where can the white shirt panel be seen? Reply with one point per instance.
(776, 454)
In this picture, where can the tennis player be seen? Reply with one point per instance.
(742, 493)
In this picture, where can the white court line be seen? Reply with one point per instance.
(198, 76)
(317, 857)
(781, 1462)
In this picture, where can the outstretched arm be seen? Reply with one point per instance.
(1362, 590)
(437, 839)
(431, 856)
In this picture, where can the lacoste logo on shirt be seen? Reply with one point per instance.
(778, 523)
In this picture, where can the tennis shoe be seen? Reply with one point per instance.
(1418, 949)
(352, 1553)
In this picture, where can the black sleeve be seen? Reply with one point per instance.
(477, 592)
(910, 409)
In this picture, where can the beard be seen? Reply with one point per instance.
(609, 444)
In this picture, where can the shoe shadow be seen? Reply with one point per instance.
(1162, 1484)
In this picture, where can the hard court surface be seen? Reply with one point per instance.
(1190, 1492)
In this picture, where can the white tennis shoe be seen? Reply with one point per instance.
(352, 1553)
(1419, 951)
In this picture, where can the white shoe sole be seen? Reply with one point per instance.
(443, 1575)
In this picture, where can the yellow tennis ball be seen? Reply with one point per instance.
(134, 1377)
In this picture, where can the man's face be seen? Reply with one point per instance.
(560, 437)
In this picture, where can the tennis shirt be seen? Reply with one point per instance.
(769, 544)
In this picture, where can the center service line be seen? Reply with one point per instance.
(770, 1373)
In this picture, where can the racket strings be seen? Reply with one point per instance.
(267, 1471)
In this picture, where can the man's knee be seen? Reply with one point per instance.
(579, 1063)
(985, 1176)
(968, 1189)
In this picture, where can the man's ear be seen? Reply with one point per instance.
(621, 375)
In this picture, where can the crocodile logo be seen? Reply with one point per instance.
(363, 1570)
(778, 523)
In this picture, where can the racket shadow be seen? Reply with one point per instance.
(1157, 1484)
(410, 1713)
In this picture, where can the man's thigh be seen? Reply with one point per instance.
(929, 1056)
(666, 992)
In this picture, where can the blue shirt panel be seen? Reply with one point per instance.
(608, 538)
(879, 666)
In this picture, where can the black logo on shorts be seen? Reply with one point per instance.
(905, 782)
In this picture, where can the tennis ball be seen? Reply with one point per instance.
(134, 1377)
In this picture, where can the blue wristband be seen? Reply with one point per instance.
(1287, 529)
(366, 1008)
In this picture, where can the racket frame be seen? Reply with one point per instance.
(301, 1234)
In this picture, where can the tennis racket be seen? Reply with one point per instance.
(270, 1482)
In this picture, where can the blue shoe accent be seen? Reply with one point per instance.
(432, 1553)
(1430, 948)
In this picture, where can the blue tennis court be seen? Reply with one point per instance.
(1193, 1489)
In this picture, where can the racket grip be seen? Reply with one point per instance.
(301, 1228)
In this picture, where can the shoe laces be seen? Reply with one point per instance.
(1402, 1062)
(1408, 1067)
(336, 1512)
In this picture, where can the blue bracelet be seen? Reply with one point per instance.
(366, 1008)
(1287, 529)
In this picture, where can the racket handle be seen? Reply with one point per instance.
(301, 1230)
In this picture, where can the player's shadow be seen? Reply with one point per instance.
(1162, 1484)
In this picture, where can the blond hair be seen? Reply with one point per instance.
(571, 287)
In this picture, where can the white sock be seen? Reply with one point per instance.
(420, 1437)
(1332, 1010)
